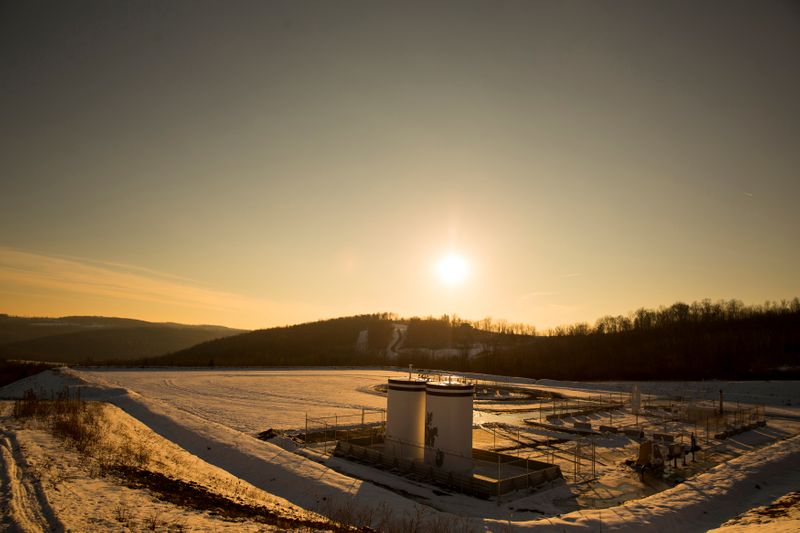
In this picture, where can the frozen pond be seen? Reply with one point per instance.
(254, 400)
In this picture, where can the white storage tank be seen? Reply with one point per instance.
(405, 418)
(448, 425)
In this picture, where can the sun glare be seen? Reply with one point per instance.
(451, 269)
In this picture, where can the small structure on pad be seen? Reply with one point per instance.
(429, 437)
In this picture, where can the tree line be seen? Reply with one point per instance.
(702, 340)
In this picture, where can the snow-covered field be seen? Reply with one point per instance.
(210, 417)
(251, 401)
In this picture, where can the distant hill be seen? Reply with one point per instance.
(759, 347)
(16, 328)
(97, 339)
(326, 342)
(702, 340)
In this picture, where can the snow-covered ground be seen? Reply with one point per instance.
(783, 515)
(251, 401)
(212, 416)
(48, 486)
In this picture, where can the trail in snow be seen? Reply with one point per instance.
(397, 340)
(25, 505)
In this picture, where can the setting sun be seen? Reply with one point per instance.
(452, 269)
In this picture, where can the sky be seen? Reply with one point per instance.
(254, 164)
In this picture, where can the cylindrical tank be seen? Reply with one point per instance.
(405, 418)
(448, 425)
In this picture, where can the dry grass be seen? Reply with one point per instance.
(67, 415)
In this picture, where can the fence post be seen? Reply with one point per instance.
(527, 473)
(498, 479)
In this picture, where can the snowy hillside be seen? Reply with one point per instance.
(210, 418)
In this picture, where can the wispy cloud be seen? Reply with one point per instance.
(535, 294)
(113, 280)
(572, 275)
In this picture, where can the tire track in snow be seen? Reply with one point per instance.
(27, 508)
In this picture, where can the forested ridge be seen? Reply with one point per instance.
(701, 340)
(325, 342)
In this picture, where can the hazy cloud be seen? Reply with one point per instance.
(113, 280)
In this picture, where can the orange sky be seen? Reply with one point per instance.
(266, 164)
